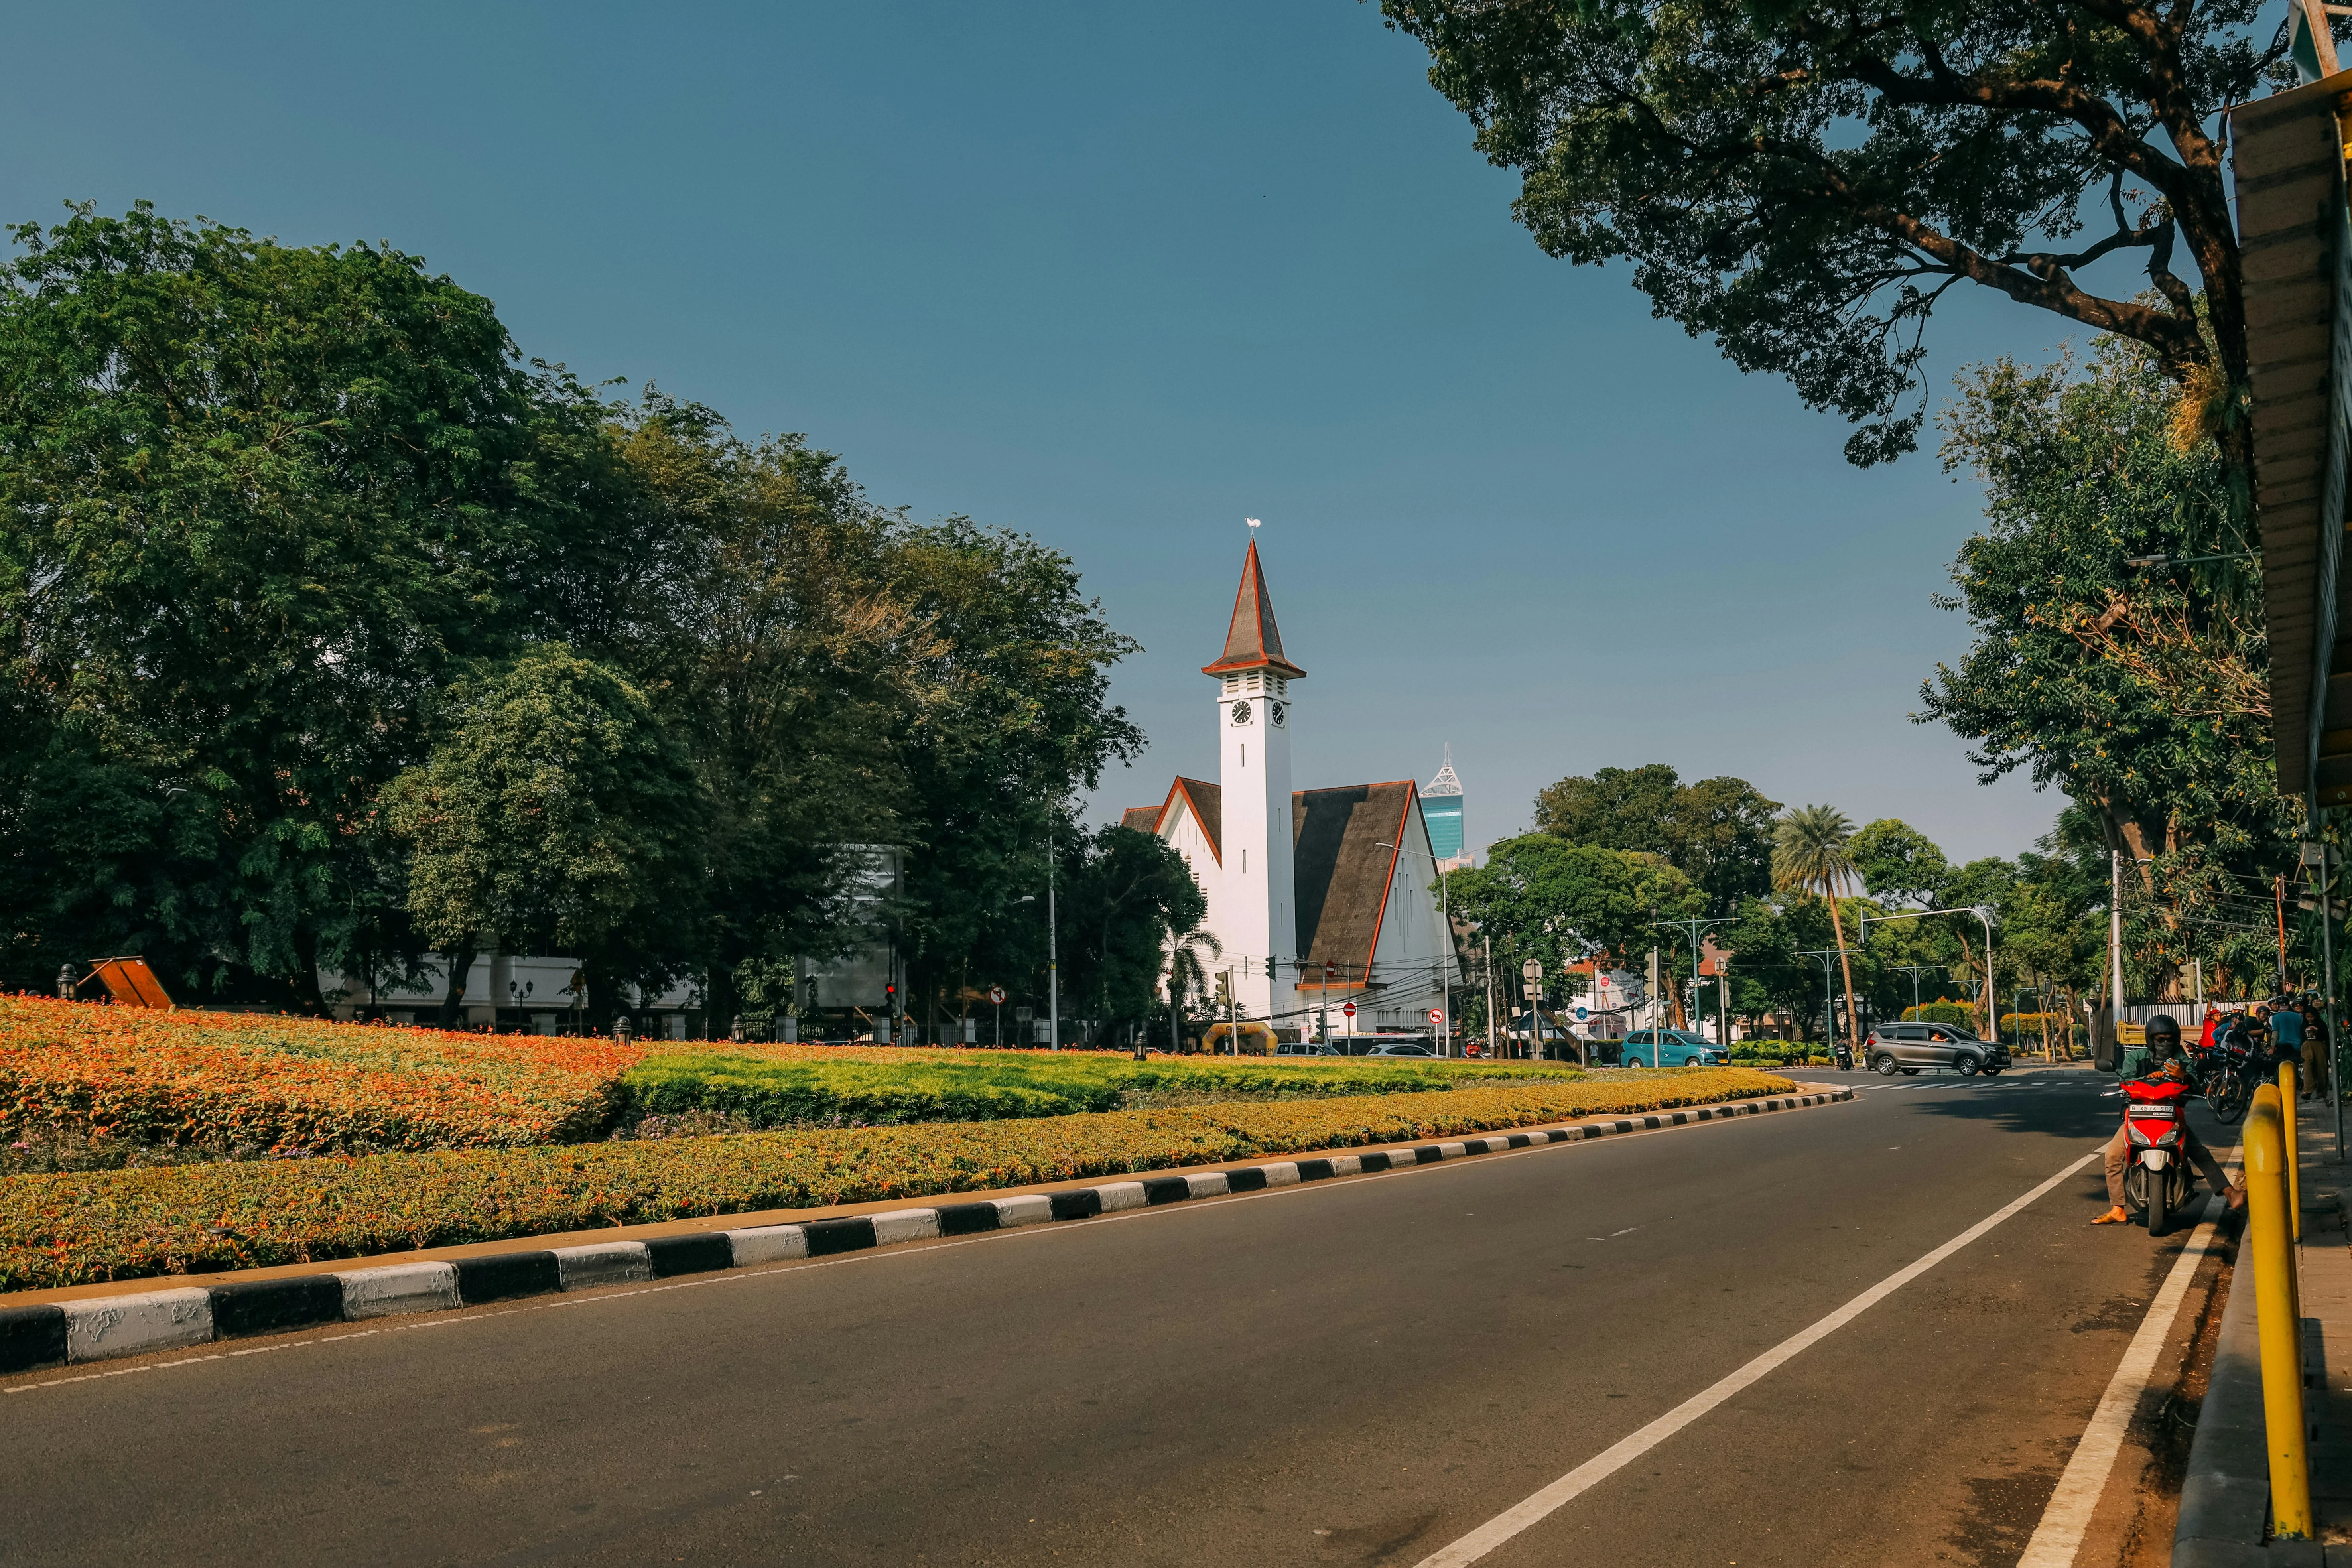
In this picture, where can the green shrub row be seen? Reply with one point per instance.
(993, 1086)
(71, 1229)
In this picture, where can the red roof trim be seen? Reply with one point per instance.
(1252, 641)
(1177, 789)
(1411, 794)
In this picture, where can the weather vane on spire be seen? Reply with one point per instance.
(1253, 523)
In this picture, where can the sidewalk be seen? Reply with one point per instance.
(2225, 1497)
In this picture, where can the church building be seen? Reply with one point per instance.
(1320, 896)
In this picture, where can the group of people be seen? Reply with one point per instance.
(2291, 1029)
(2286, 1030)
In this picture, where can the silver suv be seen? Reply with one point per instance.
(1906, 1048)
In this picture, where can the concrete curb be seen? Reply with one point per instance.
(2225, 1495)
(106, 1328)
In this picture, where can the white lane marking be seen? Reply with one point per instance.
(1609, 1461)
(2068, 1518)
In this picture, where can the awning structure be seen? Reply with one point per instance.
(2294, 239)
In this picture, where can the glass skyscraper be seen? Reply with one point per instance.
(1441, 808)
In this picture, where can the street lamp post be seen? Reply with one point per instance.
(1696, 925)
(1829, 998)
(1915, 970)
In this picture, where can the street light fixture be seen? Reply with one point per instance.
(1828, 999)
(1696, 925)
(1915, 970)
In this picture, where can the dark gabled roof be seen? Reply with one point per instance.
(1252, 641)
(1142, 819)
(1208, 803)
(1341, 873)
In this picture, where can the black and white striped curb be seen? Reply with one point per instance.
(110, 1326)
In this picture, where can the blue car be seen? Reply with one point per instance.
(1671, 1049)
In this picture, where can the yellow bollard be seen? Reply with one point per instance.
(2294, 1170)
(2279, 1328)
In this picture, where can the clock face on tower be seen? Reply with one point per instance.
(1274, 712)
(1240, 713)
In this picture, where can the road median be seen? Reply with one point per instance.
(94, 1326)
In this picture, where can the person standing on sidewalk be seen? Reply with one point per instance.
(2286, 1042)
(2315, 1049)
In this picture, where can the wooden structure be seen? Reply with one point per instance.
(130, 982)
(2294, 240)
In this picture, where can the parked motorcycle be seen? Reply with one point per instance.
(2231, 1072)
(2157, 1182)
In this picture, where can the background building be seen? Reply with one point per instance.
(1441, 807)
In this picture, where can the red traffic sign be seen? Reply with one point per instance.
(997, 994)
(1349, 1008)
(1437, 1015)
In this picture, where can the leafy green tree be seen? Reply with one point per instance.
(1812, 854)
(1804, 185)
(1127, 894)
(1898, 862)
(1718, 832)
(1541, 897)
(258, 504)
(2143, 693)
(554, 814)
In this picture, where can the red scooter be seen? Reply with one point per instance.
(2156, 1184)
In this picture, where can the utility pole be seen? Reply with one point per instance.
(2282, 929)
(1490, 941)
(2115, 945)
(2316, 855)
(1053, 956)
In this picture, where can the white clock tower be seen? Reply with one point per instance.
(1254, 715)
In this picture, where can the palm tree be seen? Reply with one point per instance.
(1187, 975)
(1809, 852)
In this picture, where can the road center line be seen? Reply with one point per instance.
(2067, 1518)
(1608, 1462)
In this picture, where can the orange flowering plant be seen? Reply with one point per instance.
(254, 1081)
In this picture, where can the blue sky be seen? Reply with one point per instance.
(1120, 277)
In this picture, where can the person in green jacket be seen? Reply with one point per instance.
(2160, 1057)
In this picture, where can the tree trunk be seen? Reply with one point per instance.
(1853, 1029)
(459, 960)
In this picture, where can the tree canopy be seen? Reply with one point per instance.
(336, 630)
(1716, 832)
(2141, 690)
(1805, 185)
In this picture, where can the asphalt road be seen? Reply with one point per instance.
(1356, 1371)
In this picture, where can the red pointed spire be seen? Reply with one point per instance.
(1253, 641)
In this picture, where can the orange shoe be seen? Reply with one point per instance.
(2115, 1216)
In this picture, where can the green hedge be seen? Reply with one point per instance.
(192, 1219)
(1959, 1013)
(1000, 1086)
